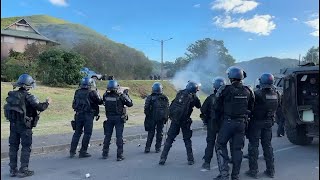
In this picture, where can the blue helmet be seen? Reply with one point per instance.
(192, 87)
(25, 81)
(218, 82)
(236, 73)
(112, 85)
(266, 80)
(157, 88)
(87, 82)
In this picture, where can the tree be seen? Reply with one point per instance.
(58, 67)
(122, 62)
(208, 48)
(312, 55)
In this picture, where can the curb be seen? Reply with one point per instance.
(93, 143)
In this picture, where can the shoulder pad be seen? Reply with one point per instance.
(220, 90)
(249, 89)
(32, 99)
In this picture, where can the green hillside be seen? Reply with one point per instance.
(255, 67)
(64, 32)
(71, 35)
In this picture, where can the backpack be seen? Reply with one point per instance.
(15, 108)
(179, 107)
(81, 101)
(159, 105)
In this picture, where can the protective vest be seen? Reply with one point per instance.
(113, 104)
(266, 104)
(15, 107)
(81, 102)
(179, 107)
(159, 107)
(236, 102)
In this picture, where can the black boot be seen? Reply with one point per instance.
(24, 172)
(146, 149)
(269, 173)
(252, 174)
(105, 154)
(206, 165)
(72, 154)
(13, 172)
(162, 161)
(220, 177)
(190, 162)
(120, 157)
(158, 150)
(84, 155)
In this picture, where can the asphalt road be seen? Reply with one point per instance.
(291, 162)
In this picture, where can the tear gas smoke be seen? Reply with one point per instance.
(202, 70)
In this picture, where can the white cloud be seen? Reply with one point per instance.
(196, 5)
(235, 6)
(295, 19)
(259, 24)
(315, 25)
(59, 2)
(80, 13)
(116, 28)
(250, 39)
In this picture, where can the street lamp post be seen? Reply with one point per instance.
(161, 67)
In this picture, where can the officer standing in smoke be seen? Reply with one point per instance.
(179, 112)
(21, 110)
(233, 103)
(267, 101)
(86, 105)
(116, 114)
(213, 125)
(156, 110)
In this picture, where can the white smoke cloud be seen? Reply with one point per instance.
(201, 71)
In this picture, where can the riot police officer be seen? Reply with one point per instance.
(21, 109)
(116, 114)
(233, 102)
(179, 112)
(156, 111)
(212, 124)
(86, 105)
(267, 100)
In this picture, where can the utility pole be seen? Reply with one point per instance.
(161, 41)
(299, 58)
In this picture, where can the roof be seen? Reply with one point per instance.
(25, 34)
(299, 69)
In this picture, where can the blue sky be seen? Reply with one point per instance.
(249, 28)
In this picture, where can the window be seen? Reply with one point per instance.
(30, 41)
(8, 39)
(22, 28)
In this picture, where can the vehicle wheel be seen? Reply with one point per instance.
(297, 135)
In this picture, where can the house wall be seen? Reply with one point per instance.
(16, 44)
(21, 27)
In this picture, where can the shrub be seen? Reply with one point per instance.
(58, 67)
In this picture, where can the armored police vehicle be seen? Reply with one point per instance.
(301, 117)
